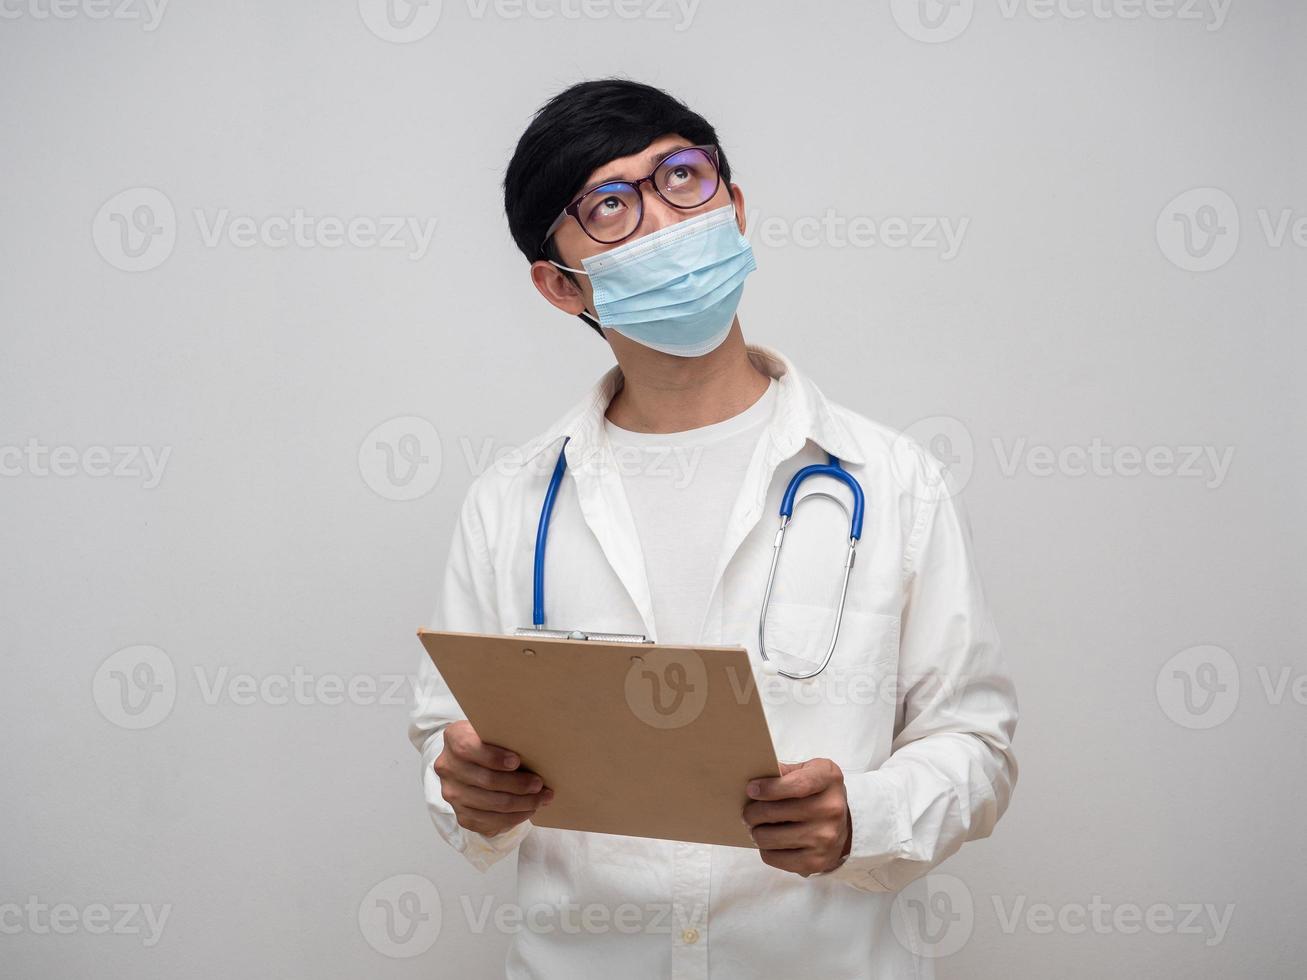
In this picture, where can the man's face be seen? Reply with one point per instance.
(574, 245)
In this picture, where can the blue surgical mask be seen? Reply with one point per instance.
(675, 289)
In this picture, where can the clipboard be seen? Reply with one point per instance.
(638, 739)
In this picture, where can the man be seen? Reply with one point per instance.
(893, 755)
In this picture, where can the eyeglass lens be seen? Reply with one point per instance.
(685, 179)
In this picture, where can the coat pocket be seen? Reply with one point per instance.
(846, 712)
(799, 634)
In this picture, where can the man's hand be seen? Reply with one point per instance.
(800, 820)
(483, 783)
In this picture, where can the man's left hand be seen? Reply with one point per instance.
(800, 819)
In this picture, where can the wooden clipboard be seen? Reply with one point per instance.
(639, 739)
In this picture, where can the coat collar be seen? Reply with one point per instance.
(802, 413)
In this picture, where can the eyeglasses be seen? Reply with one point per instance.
(685, 179)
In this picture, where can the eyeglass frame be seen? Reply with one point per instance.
(572, 208)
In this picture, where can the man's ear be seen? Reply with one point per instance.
(741, 216)
(558, 286)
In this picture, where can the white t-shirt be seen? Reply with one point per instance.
(681, 487)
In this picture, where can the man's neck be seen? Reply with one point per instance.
(665, 393)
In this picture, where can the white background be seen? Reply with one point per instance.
(1074, 313)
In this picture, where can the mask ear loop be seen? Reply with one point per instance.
(567, 267)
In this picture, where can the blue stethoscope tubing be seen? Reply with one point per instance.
(832, 469)
(542, 531)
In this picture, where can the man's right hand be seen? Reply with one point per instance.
(483, 783)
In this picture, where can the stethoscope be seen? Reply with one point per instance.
(788, 501)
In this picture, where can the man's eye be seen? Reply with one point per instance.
(607, 208)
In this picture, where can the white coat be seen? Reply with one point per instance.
(916, 706)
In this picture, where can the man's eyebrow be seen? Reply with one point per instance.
(653, 158)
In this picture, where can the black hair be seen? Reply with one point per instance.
(578, 131)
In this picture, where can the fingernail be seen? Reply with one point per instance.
(753, 789)
(536, 785)
(512, 761)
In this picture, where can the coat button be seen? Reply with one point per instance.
(690, 936)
